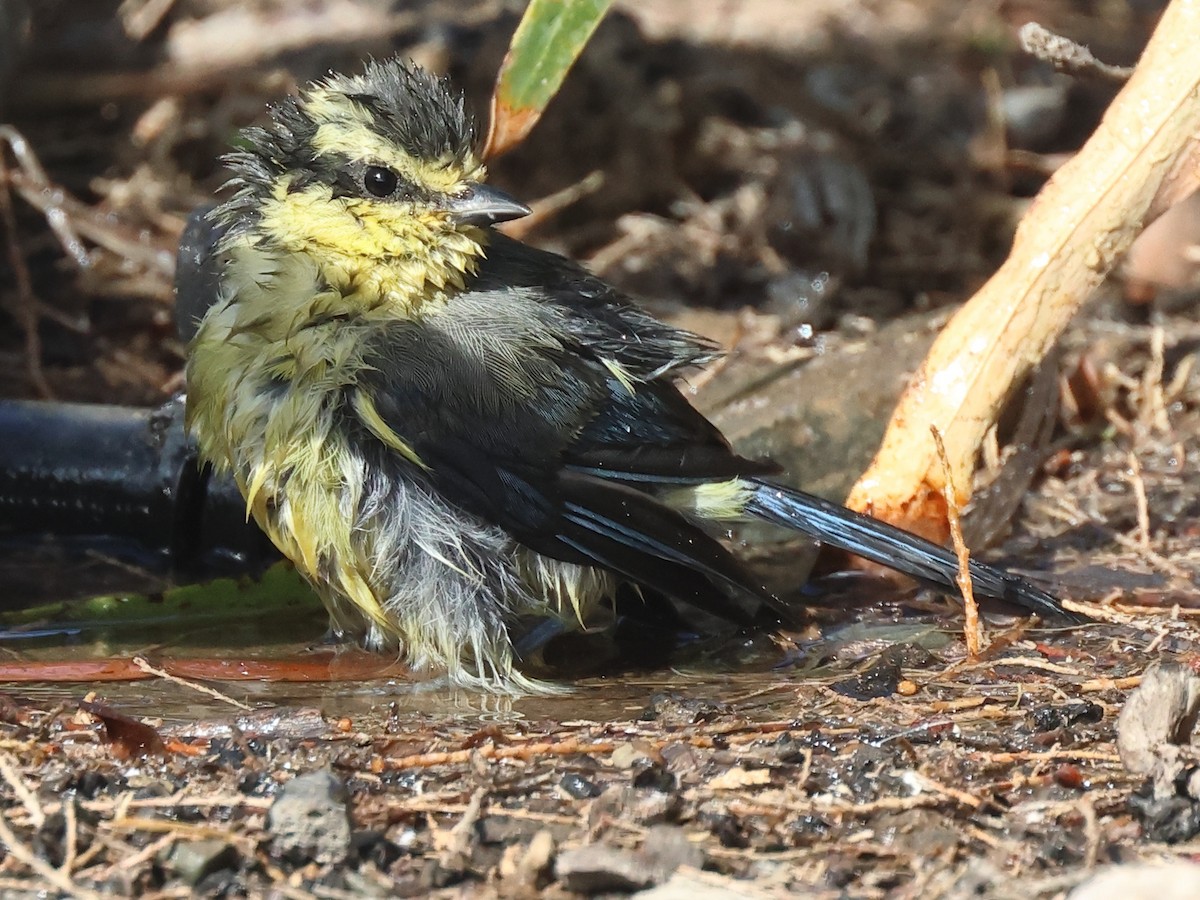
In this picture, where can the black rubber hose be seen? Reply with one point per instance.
(82, 485)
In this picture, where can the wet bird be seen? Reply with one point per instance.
(446, 429)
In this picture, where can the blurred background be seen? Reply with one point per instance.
(790, 170)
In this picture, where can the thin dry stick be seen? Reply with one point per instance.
(748, 806)
(1143, 505)
(71, 828)
(1028, 662)
(801, 780)
(27, 797)
(150, 851)
(21, 887)
(549, 206)
(1152, 402)
(1045, 755)
(178, 829)
(125, 802)
(1110, 684)
(961, 797)
(175, 679)
(58, 207)
(1153, 557)
(1066, 55)
(49, 199)
(60, 880)
(1091, 830)
(138, 19)
(26, 310)
(422, 804)
(84, 860)
(491, 751)
(454, 843)
(972, 628)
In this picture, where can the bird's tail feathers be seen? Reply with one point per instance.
(890, 546)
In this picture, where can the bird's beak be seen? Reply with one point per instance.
(483, 205)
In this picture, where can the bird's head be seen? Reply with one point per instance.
(374, 176)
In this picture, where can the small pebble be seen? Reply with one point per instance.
(309, 820)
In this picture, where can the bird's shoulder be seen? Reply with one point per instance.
(602, 322)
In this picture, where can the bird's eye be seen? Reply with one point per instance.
(380, 181)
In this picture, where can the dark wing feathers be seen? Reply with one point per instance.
(506, 396)
(654, 435)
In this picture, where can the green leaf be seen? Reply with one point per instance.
(549, 39)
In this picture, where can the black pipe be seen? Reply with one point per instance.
(101, 498)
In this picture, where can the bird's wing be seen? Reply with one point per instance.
(640, 428)
(516, 419)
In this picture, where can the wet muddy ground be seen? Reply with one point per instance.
(815, 189)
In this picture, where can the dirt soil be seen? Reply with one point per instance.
(807, 183)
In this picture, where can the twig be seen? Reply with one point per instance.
(1153, 557)
(126, 801)
(201, 688)
(947, 706)
(1153, 406)
(27, 305)
(47, 198)
(825, 806)
(151, 850)
(801, 779)
(549, 206)
(1139, 496)
(71, 831)
(140, 17)
(27, 797)
(1046, 755)
(126, 861)
(177, 829)
(823, 849)
(433, 805)
(1028, 662)
(972, 628)
(1066, 55)
(1110, 684)
(961, 797)
(1103, 611)
(60, 880)
(84, 859)
(455, 843)
(491, 751)
(1091, 830)
(60, 207)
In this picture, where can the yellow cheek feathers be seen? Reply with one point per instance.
(372, 252)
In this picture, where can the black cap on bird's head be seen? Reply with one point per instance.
(413, 109)
(394, 134)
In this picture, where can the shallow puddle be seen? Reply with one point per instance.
(281, 663)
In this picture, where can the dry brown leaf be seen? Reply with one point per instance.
(130, 738)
